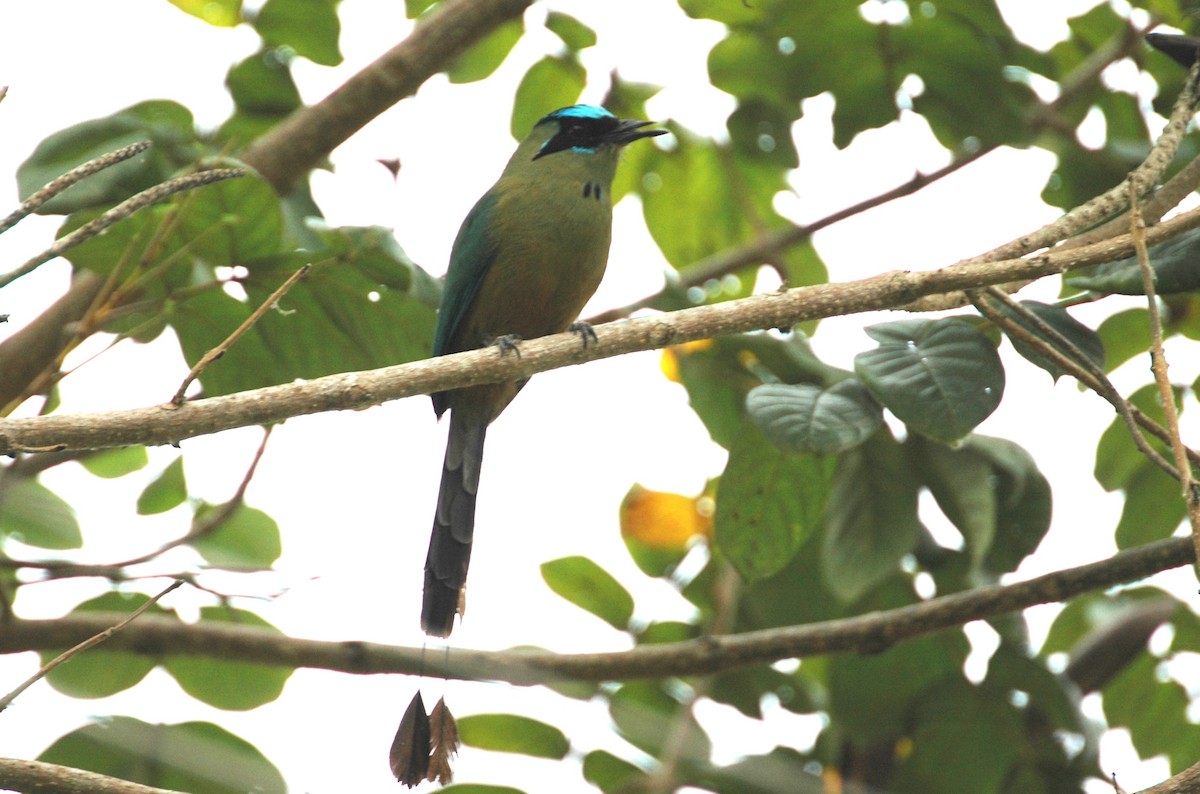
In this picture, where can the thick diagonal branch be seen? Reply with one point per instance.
(299, 142)
(285, 153)
(353, 390)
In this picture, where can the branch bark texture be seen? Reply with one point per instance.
(35, 776)
(166, 424)
(870, 633)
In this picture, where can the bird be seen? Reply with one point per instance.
(526, 259)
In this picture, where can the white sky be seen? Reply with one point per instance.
(354, 491)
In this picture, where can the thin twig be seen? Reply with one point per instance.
(219, 350)
(90, 642)
(1158, 364)
(1056, 347)
(772, 243)
(123, 210)
(62, 569)
(65, 181)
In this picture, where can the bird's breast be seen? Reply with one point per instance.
(551, 243)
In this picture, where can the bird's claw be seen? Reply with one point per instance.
(507, 344)
(585, 332)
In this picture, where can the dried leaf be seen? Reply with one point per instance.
(445, 743)
(409, 757)
(392, 165)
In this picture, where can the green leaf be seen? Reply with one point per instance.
(112, 463)
(1154, 710)
(962, 732)
(363, 305)
(263, 83)
(716, 379)
(768, 504)
(686, 195)
(32, 513)
(310, 27)
(588, 586)
(414, 8)
(645, 715)
(872, 518)
(219, 13)
(1124, 335)
(992, 491)
(166, 491)
(550, 84)
(871, 695)
(246, 538)
(763, 131)
(1023, 501)
(806, 418)
(168, 125)
(939, 377)
(486, 56)
(99, 673)
(189, 756)
(962, 483)
(1093, 612)
(479, 788)
(1117, 458)
(1011, 668)
(1084, 338)
(232, 222)
(574, 34)
(1154, 507)
(658, 632)
(510, 733)
(236, 686)
(611, 774)
(1172, 262)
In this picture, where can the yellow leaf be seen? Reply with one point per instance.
(665, 520)
(671, 356)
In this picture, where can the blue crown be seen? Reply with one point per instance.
(579, 112)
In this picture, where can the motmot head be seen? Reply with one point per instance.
(586, 129)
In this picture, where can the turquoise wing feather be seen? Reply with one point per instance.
(471, 257)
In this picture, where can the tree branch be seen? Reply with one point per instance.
(870, 633)
(285, 152)
(296, 144)
(35, 776)
(1186, 782)
(353, 390)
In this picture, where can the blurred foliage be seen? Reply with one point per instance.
(819, 514)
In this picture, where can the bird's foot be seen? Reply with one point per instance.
(585, 332)
(507, 344)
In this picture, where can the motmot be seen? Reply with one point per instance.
(527, 258)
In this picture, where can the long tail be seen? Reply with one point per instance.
(453, 526)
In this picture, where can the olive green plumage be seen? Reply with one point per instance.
(527, 258)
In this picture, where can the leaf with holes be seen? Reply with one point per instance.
(768, 504)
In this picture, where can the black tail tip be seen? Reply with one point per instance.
(438, 612)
